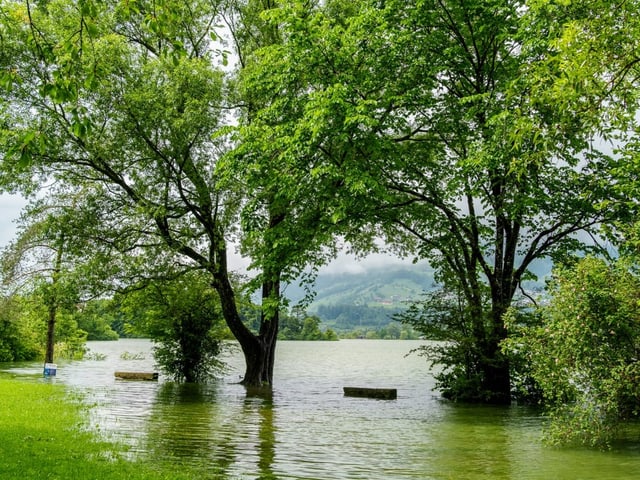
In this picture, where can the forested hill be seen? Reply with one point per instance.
(346, 300)
(379, 286)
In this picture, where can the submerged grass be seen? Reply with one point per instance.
(43, 435)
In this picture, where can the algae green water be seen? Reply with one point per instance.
(309, 430)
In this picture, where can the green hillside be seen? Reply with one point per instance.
(380, 287)
(364, 300)
(375, 287)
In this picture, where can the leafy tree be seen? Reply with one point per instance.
(19, 340)
(29, 318)
(298, 325)
(392, 331)
(443, 317)
(44, 261)
(584, 352)
(286, 223)
(96, 317)
(290, 326)
(430, 117)
(128, 96)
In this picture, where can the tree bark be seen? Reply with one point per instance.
(260, 355)
(495, 365)
(496, 375)
(258, 350)
(259, 363)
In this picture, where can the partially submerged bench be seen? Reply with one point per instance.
(381, 393)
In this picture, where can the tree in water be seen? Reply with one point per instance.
(438, 122)
(130, 98)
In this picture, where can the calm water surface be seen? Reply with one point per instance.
(309, 430)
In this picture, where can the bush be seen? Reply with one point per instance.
(183, 317)
(584, 352)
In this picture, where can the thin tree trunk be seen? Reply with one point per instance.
(52, 301)
(51, 339)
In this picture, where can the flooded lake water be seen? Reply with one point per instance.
(309, 430)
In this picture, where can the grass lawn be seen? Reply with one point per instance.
(43, 436)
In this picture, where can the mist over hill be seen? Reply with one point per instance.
(374, 287)
(364, 299)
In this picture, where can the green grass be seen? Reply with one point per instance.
(43, 436)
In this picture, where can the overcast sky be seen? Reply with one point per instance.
(10, 206)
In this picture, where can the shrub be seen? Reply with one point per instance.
(584, 353)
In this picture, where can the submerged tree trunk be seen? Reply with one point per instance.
(495, 365)
(496, 375)
(260, 355)
(498, 381)
(259, 363)
(258, 349)
(488, 332)
(492, 365)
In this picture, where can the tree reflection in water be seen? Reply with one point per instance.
(261, 399)
(191, 423)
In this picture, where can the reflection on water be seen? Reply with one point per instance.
(307, 429)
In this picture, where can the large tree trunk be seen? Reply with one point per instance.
(259, 363)
(492, 365)
(258, 350)
(488, 332)
(496, 376)
(495, 365)
(260, 355)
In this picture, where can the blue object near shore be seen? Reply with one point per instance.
(50, 369)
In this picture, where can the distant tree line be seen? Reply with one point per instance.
(306, 327)
(391, 331)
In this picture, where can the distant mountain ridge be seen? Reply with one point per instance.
(377, 286)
